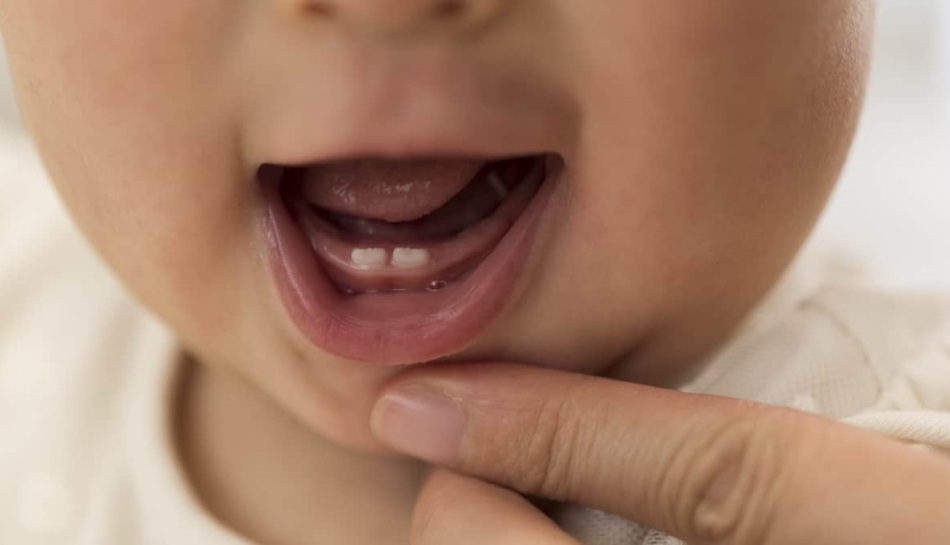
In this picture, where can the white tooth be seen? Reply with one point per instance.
(368, 258)
(410, 258)
(498, 185)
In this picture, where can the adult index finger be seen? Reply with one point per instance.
(703, 468)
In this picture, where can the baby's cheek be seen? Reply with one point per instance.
(123, 99)
(111, 81)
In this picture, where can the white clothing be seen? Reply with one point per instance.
(86, 379)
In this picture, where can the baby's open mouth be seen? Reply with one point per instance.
(417, 225)
(402, 261)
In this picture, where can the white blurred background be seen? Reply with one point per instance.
(892, 208)
(893, 204)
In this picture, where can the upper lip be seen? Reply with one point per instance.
(470, 115)
(479, 143)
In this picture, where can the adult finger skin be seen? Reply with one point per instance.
(454, 509)
(706, 469)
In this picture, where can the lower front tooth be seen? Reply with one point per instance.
(368, 258)
(410, 258)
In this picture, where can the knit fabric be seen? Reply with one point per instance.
(870, 358)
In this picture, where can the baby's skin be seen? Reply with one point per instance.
(318, 195)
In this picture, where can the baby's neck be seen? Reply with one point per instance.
(273, 481)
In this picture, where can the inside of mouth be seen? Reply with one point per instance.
(364, 250)
(487, 190)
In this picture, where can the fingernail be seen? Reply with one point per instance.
(420, 422)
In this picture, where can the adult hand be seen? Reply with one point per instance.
(701, 468)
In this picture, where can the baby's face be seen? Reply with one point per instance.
(574, 184)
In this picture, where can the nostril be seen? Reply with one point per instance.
(397, 16)
(320, 9)
(450, 8)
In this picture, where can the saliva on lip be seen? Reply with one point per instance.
(433, 287)
(437, 285)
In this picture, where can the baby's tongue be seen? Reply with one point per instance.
(394, 191)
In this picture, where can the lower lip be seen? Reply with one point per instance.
(397, 328)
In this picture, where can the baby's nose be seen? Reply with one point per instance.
(399, 16)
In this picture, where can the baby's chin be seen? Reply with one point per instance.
(345, 418)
